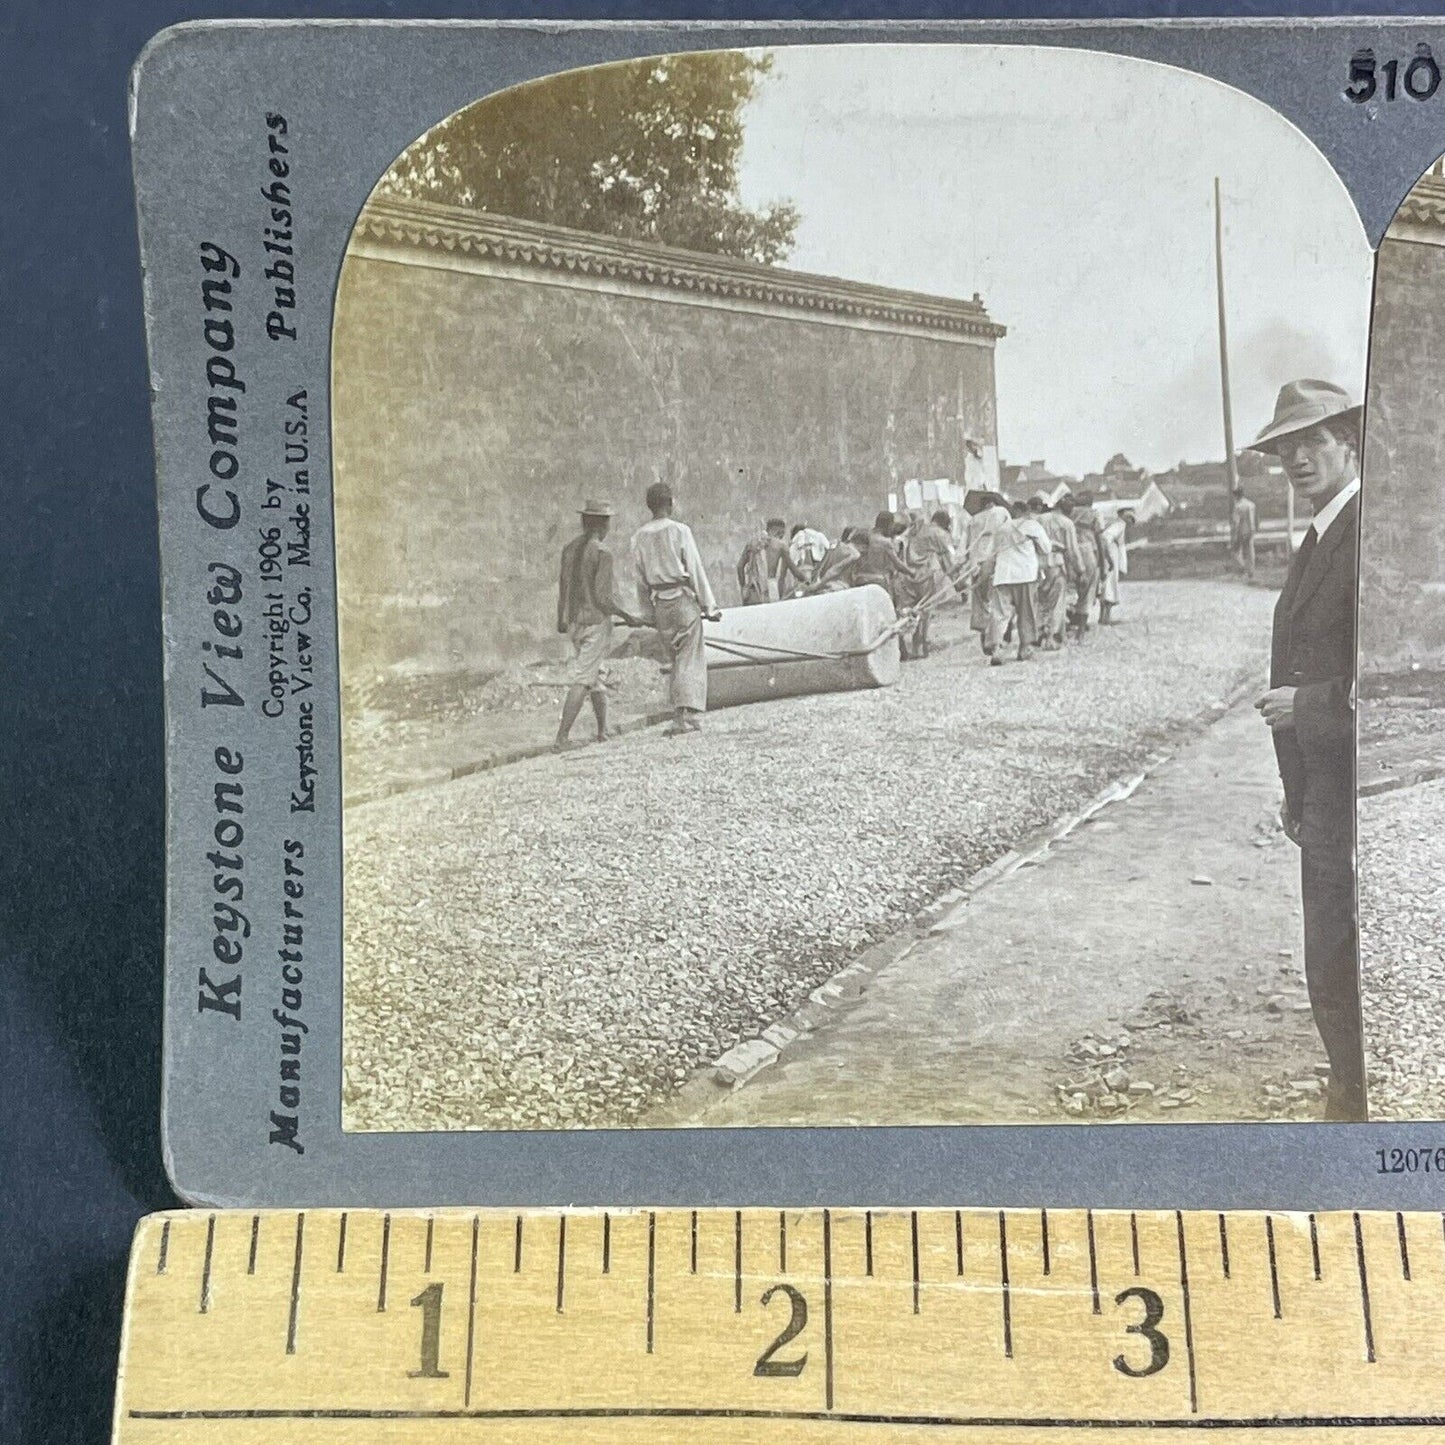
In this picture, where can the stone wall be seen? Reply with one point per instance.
(489, 375)
(1402, 562)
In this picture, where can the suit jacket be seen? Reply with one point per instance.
(1313, 651)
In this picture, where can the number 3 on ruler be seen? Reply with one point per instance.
(1149, 1328)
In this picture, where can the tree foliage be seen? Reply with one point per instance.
(644, 150)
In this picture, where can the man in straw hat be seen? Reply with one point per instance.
(677, 597)
(1309, 707)
(586, 605)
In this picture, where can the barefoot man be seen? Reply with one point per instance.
(586, 605)
(1310, 710)
(674, 593)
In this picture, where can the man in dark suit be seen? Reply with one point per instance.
(1310, 708)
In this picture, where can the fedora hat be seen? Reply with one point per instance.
(1301, 405)
(593, 508)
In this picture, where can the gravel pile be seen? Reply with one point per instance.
(1402, 950)
(562, 941)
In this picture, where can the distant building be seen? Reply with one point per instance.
(1024, 479)
(1148, 506)
(1120, 478)
(1202, 488)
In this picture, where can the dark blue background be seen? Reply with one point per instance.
(80, 690)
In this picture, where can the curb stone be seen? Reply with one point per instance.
(944, 914)
(1393, 785)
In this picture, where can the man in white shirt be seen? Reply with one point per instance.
(675, 596)
(1021, 551)
(987, 517)
(1309, 708)
(1243, 524)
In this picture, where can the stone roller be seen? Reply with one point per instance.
(805, 645)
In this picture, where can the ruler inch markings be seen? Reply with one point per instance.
(917, 1272)
(1008, 1324)
(651, 1277)
(294, 1310)
(737, 1261)
(204, 1305)
(203, 1257)
(385, 1263)
(1364, 1291)
(1273, 1266)
(1093, 1262)
(561, 1261)
(1188, 1314)
(472, 1311)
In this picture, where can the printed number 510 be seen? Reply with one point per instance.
(1419, 79)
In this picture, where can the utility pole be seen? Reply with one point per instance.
(1229, 463)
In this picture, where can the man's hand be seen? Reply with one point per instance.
(1276, 707)
(713, 616)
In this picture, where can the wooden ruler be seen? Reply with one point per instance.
(767, 1325)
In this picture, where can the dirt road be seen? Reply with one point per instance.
(566, 941)
(1146, 966)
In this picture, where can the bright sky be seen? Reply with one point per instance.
(1074, 191)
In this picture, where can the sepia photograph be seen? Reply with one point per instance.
(1402, 669)
(847, 563)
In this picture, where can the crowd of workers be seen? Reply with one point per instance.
(1030, 572)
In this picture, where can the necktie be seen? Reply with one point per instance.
(1297, 567)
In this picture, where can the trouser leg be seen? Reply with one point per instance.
(599, 711)
(978, 611)
(1000, 614)
(1051, 586)
(679, 620)
(1332, 972)
(1025, 610)
(1088, 583)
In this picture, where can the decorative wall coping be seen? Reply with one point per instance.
(426, 233)
(1421, 216)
